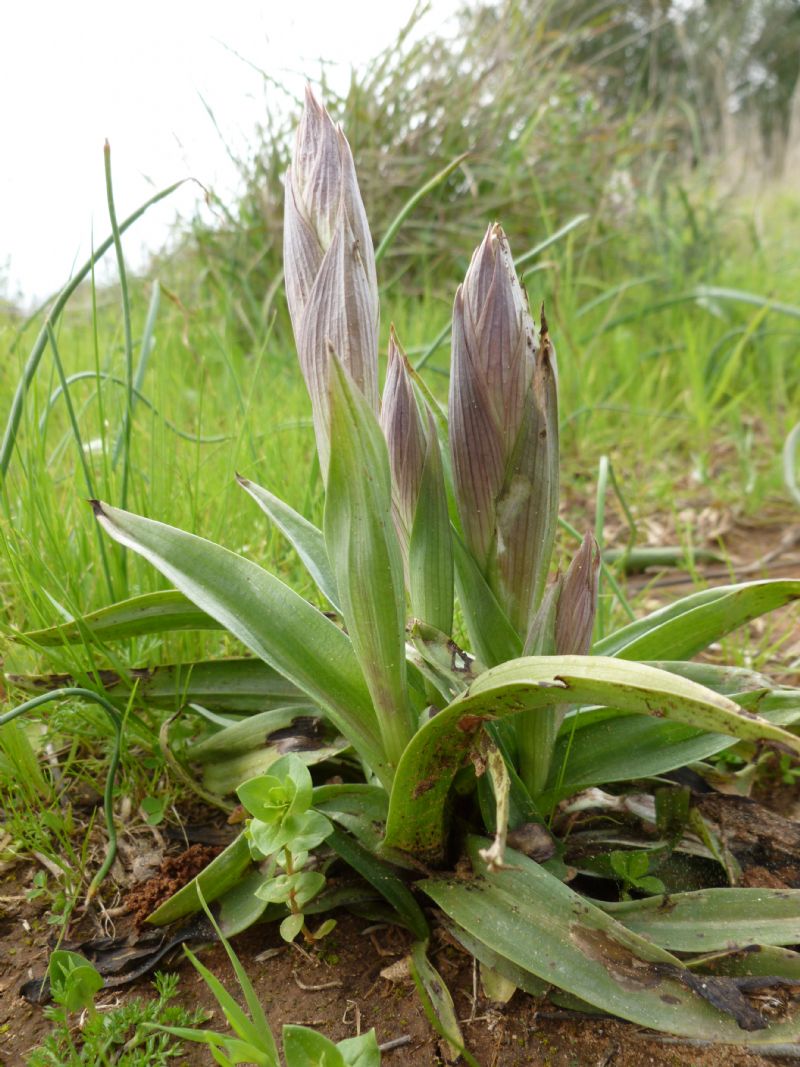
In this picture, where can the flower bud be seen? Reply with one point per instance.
(329, 264)
(577, 604)
(504, 430)
(405, 436)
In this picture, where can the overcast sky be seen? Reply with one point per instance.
(74, 74)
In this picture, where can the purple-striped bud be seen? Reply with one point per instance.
(329, 264)
(504, 430)
(405, 436)
(577, 604)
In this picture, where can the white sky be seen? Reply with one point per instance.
(74, 74)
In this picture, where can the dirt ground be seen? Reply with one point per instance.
(346, 990)
(358, 981)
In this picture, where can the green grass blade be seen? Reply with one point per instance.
(76, 433)
(134, 387)
(32, 363)
(127, 423)
(394, 226)
(102, 376)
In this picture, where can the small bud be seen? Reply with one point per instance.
(577, 604)
(504, 431)
(405, 436)
(419, 496)
(329, 264)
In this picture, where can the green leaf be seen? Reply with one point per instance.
(544, 928)
(361, 1051)
(267, 616)
(417, 807)
(236, 685)
(383, 878)
(291, 926)
(73, 980)
(363, 548)
(496, 962)
(266, 798)
(257, 1014)
(714, 919)
(309, 830)
(434, 988)
(150, 613)
(240, 907)
(256, 730)
(304, 1047)
(358, 808)
(608, 745)
(759, 960)
(686, 627)
(213, 881)
(492, 637)
(430, 549)
(307, 540)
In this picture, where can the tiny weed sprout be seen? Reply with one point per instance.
(458, 712)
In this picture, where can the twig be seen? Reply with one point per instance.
(396, 1042)
(315, 988)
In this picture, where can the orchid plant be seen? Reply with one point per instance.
(448, 746)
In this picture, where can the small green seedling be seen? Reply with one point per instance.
(632, 870)
(73, 981)
(286, 829)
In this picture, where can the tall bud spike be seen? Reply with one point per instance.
(329, 264)
(504, 431)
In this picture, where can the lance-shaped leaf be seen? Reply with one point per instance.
(713, 919)
(418, 805)
(243, 686)
(544, 928)
(329, 264)
(606, 745)
(308, 541)
(267, 616)
(504, 431)
(149, 613)
(365, 555)
(686, 627)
